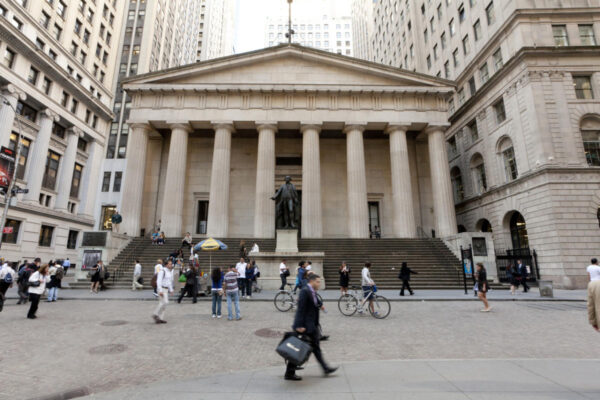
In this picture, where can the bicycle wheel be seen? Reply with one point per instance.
(348, 305)
(283, 301)
(381, 307)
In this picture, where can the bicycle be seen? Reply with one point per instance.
(286, 300)
(349, 304)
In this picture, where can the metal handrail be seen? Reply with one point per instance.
(129, 258)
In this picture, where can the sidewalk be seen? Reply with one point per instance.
(415, 380)
(333, 295)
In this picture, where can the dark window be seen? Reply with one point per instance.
(81, 144)
(374, 223)
(52, 162)
(583, 87)
(25, 145)
(76, 181)
(518, 231)
(288, 161)
(26, 111)
(202, 217)
(72, 239)
(11, 237)
(107, 213)
(106, 181)
(46, 236)
(58, 130)
(117, 181)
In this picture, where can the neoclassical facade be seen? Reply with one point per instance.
(364, 143)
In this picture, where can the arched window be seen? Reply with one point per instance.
(461, 229)
(518, 231)
(483, 225)
(590, 133)
(457, 185)
(478, 171)
(509, 162)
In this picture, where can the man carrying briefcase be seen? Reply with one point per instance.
(306, 322)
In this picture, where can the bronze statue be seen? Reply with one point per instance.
(287, 205)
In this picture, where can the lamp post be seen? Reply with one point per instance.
(9, 193)
(290, 31)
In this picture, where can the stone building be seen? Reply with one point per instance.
(525, 119)
(56, 74)
(364, 144)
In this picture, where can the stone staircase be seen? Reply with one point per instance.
(436, 265)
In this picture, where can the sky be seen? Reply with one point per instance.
(252, 15)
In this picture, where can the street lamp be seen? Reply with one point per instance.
(9, 193)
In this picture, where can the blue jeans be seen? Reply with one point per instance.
(235, 298)
(53, 294)
(216, 303)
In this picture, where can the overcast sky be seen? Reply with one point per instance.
(253, 13)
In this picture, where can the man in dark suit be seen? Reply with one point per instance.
(522, 270)
(306, 322)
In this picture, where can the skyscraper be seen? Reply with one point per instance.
(217, 30)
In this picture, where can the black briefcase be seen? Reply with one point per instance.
(294, 350)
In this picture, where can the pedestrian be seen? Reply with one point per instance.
(344, 278)
(230, 281)
(249, 279)
(482, 286)
(157, 268)
(404, 276)
(306, 323)
(217, 291)
(241, 269)
(368, 285)
(300, 276)
(255, 276)
(284, 272)
(594, 294)
(7, 278)
(137, 276)
(97, 271)
(37, 286)
(242, 251)
(24, 273)
(187, 240)
(308, 266)
(523, 272)
(164, 285)
(191, 284)
(56, 274)
(116, 220)
(513, 277)
(66, 265)
(255, 249)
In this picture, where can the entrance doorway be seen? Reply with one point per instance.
(107, 213)
(374, 217)
(518, 231)
(202, 217)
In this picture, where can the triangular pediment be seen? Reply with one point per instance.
(288, 65)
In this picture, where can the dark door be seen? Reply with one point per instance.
(202, 217)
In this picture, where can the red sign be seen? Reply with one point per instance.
(7, 162)
(8, 230)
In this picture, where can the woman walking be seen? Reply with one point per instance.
(513, 277)
(404, 276)
(217, 291)
(98, 270)
(344, 278)
(37, 286)
(482, 287)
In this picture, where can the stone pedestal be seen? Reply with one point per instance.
(268, 264)
(287, 241)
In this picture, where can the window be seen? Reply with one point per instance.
(52, 163)
(33, 76)
(107, 213)
(3, 11)
(14, 235)
(590, 133)
(500, 111)
(77, 27)
(9, 58)
(452, 147)
(455, 57)
(74, 48)
(461, 13)
(452, 27)
(586, 35)
(74, 104)
(86, 36)
(26, 112)
(461, 96)
(447, 69)
(72, 239)
(82, 57)
(45, 20)
(64, 100)
(478, 171)
(497, 57)
(61, 9)
(40, 44)
(117, 181)
(466, 45)
(507, 153)
(457, 185)
(81, 145)
(473, 131)
(477, 30)
(57, 32)
(490, 13)
(46, 233)
(472, 87)
(435, 52)
(58, 130)
(583, 87)
(426, 35)
(428, 62)
(484, 74)
(560, 35)
(25, 146)
(17, 23)
(443, 40)
(75, 182)
(106, 181)
(52, 54)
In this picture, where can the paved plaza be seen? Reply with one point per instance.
(96, 347)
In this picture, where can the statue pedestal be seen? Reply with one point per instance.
(287, 241)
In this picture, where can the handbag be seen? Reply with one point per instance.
(34, 283)
(374, 288)
(293, 349)
(286, 273)
(182, 278)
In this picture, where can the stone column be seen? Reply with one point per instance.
(264, 207)
(174, 189)
(218, 205)
(443, 200)
(133, 186)
(402, 198)
(90, 179)
(66, 173)
(8, 104)
(38, 156)
(312, 214)
(358, 210)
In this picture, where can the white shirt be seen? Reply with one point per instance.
(254, 249)
(5, 270)
(36, 277)
(594, 271)
(282, 268)
(366, 277)
(241, 269)
(308, 267)
(164, 281)
(137, 270)
(158, 268)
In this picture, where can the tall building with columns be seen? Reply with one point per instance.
(56, 76)
(524, 140)
(155, 35)
(363, 143)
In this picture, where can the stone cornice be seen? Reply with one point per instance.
(45, 212)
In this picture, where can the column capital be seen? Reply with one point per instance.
(223, 125)
(436, 127)
(260, 125)
(397, 126)
(15, 91)
(355, 126)
(50, 114)
(140, 125)
(75, 131)
(310, 125)
(185, 126)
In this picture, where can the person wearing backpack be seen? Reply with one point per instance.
(56, 275)
(37, 286)
(24, 275)
(7, 276)
(404, 276)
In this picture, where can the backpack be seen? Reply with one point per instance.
(25, 274)
(60, 273)
(154, 281)
(8, 278)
